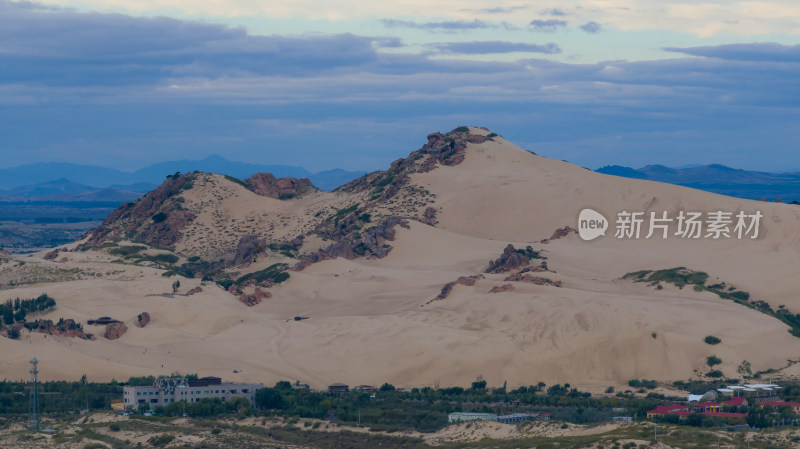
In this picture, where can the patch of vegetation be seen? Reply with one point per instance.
(461, 129)
(530, 253)
(127, 250)
(643, 383)
(159, 217)
(18, 309)
(161, 440)
(237, 181)
(682, 276)
(712, 340)
(274, 274)
(715, 373)
(286, 196)
(713, 360)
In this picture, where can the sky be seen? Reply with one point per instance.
(356, 84)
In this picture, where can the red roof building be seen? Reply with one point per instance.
(735, 402)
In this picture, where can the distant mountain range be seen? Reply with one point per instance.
(50, 180)
(720, 179)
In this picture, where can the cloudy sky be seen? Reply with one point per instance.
(357, 84)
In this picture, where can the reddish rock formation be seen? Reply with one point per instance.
(143, 319)
(248, 248)
(155, 219)
(254, 298)
(65, 328)
(509, 260)
(444, 149)
(518, 277)
(194, 291)
(115, 330)
(469, 281)
(561, 233)
(53, 254)
(502, 288)
(265, 184)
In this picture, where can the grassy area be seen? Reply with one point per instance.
(682, 276)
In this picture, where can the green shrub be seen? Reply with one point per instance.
(461, 129)
(159, 217)
(715, 374)
(712, 340)
(114, 427)
(713, 360)
(161, 440)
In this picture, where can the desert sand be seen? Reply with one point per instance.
(371, 320)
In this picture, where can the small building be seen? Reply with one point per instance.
(711, 407)
(795, 406)
(364, 388)
(338, 388)
(666, 410)
(622, 418)
(299, 386)
(165, 391)
(515, 418)
(464, 417)
(735, 402)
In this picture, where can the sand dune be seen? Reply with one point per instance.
(371, 320)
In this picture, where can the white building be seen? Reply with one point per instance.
(165, 391)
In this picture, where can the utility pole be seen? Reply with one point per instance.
(33, 408)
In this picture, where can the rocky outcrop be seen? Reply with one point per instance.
(115, 330)
(372, 243)
(561, 233)
(502, 288)
(155, 219)
(52, 255)
(519, 277)
(509, 260)
(194, 291)
(254, 298)
(265, 184)
(64, 328)
(248, 248)
(143, 319)
(469, 281)
(429, 216)
(441, 149)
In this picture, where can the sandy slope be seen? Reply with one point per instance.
(370, 321)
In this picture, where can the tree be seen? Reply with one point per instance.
(387, 387)
(175, 286)
(270, 398)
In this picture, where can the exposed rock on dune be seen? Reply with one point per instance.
(248, 248)
(143, 319)
(509, 260)
(66, 328)
(115, 330)
(469, 281)
(251, 299)
(266, 184)
(561, 233)
(155, 219)
(502, 288)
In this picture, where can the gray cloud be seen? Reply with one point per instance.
(547, 26)
(554, 12)
(113, 89)
(766, 51)
(489, 47)
(453, 25)
(591, 27)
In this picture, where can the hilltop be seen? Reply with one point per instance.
(455, 262)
